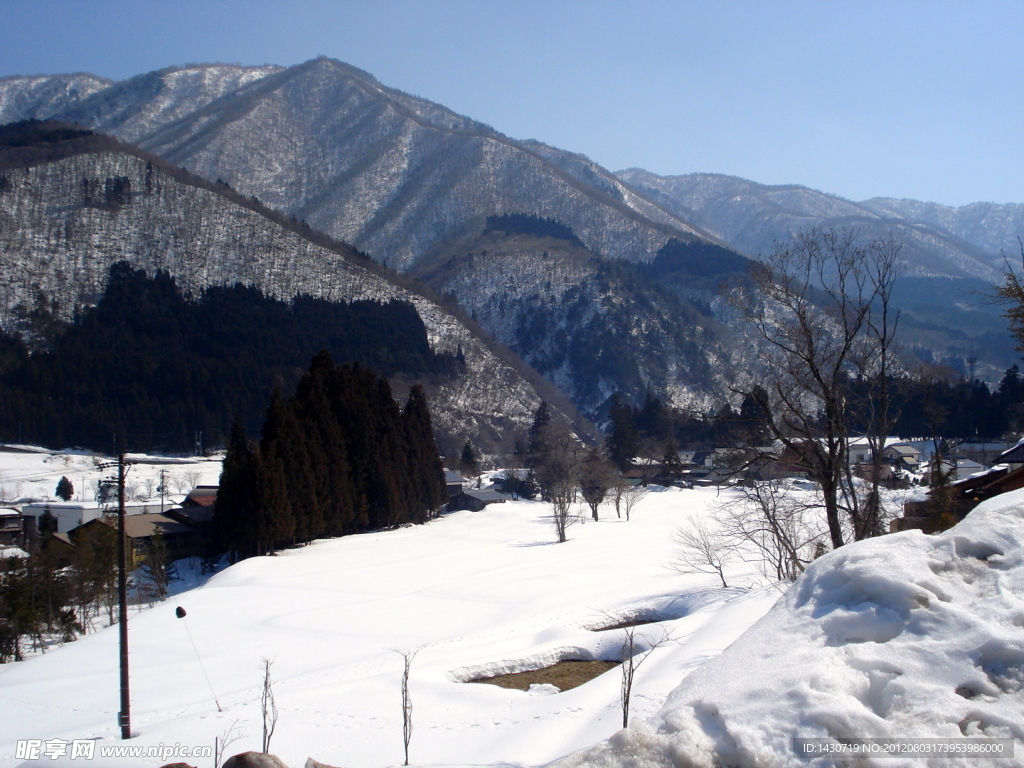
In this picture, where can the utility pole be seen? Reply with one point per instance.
(124, 718)
(163, 483)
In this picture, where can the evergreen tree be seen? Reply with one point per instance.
(65, 490)
(185, 363)
(337, 458)
(47, 525)
(623, 442)
(290, 481)
(236, 497)
(469, 460)
(425, 461)
(654, 421)
(537, 445)
(670, 463)
(272, 520)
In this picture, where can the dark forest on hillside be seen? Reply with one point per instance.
(531, 224)
(153, 366)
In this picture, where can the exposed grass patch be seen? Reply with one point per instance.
(563, 675)
(625, 625)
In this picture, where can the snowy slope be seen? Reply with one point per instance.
(477, 593)
(903, 636)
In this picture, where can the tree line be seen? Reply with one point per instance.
(56, 594)
(924, 407)
(155, 366)
(338, 457)
(531, 224)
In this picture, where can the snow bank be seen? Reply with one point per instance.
(907, 635)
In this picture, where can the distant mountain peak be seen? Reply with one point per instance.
(326, 61)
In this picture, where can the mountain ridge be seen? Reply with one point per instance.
(58, 237)
(751, 216)
(407, 181)
(481, 159)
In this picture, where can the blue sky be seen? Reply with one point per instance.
(902, 98)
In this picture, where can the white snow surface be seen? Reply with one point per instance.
(476, 593)
(29, 473)
(906, 635)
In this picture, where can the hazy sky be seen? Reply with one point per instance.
(900, 98)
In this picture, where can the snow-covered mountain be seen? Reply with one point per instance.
(405, 179)
(596, 326)
(386, 171)
(71, 210)
(993, 227)
(37, 97)
(751, 217)
(135, 108)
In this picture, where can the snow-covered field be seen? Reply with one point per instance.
(903, 636)
(476, 593)
(29, 473)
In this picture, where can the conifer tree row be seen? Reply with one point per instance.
(339, 457)
(155, 365)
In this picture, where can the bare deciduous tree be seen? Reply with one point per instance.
(192, 478)
(557, 472)
(563, 495)
(617, 491)
(131, 489)
(596, 476)
(225, 740)
(635, 650)
(815, 308)
(407, 659)
(268, 707)
(180, 484)
(632, 497)
(157, 564)
(781, 530)
(875, 360)
(703, 549)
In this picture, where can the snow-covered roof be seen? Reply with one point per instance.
(1015, 455)
(904, 449)
(487, 495)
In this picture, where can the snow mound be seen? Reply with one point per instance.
(907, 635)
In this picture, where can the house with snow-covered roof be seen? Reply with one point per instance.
(181, 538)
(12, 527)
(70, 515)
(476, 499)
(903, 455)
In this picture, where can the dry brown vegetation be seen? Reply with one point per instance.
(563, 675)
